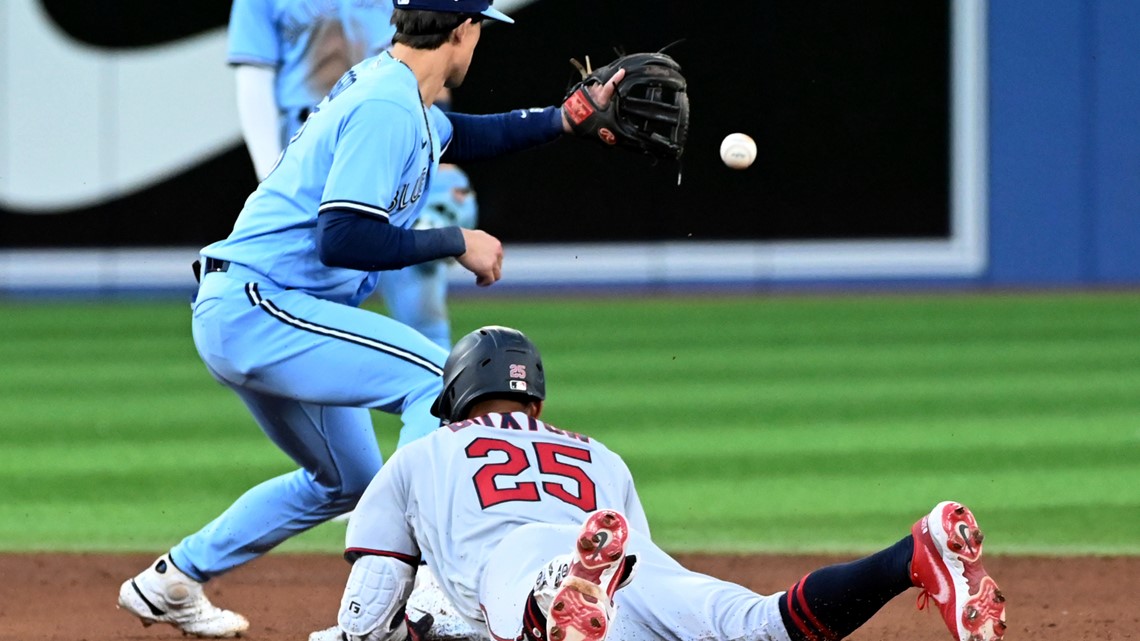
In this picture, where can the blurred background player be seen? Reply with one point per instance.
(287, 55)
(538, 534)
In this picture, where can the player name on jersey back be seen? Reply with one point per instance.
(512, 422)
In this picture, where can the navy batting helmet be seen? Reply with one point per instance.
(490, 361)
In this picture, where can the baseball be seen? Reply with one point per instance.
(738, 150)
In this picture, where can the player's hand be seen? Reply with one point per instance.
(601, 95)
(484, 256)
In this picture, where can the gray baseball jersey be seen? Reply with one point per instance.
(450, 498)
(488, 503)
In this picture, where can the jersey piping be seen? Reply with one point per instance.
(410, 559)
(251, 292)
(361, 208)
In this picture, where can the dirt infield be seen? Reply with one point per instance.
(72, 597)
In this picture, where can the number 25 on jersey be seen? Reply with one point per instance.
(498, 483)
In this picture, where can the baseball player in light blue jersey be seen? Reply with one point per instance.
(276, 317)
(288, 54)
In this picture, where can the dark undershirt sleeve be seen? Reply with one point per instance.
(492, 135)
(369, 243)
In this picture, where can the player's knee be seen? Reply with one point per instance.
(353, 488)
(339, 500)
(345, 491)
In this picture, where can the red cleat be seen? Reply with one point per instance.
(583, 607)
(947, 567)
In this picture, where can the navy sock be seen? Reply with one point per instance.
(832, 602)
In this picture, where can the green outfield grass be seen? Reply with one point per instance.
(750, 423)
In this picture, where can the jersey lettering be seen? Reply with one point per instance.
(554, 459)
(568, 433)
(548, 463)
(408, 193)
(485, 486)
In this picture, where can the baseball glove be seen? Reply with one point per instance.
(649, 111)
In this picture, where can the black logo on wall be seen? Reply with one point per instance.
(849, 106)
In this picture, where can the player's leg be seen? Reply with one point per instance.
(659, 601)
(581, 607)
(292, 345)
(163, 593)
(297, 362)
(557, 581)
(309, 360)
(831, 602)
(667, 602)
(417, 297)
(941, 556)
(348, 356)
(337, 450)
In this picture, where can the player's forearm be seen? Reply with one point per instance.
(347, 239)
(488, 136)
(258, 114)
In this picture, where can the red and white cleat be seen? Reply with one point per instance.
(947, 567)
(582, 607)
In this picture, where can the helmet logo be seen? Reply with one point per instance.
(518, 386)
(518, 371)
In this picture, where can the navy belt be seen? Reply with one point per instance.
(215, 265)
(211, 265)
(238, 271)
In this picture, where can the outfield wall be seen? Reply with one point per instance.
(1039, 148)
(1064, 145)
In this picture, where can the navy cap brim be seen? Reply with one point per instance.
(495, 14)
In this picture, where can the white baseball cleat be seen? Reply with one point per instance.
(164, 594)
(582, 608)
(947, 566)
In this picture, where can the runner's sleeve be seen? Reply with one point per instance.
(380, 524)
(252, 34)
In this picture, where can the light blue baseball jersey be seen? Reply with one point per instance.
(370, 147)
(309, 43)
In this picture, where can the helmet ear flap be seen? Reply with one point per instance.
(442, 406)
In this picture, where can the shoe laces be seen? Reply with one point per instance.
(923, 600)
